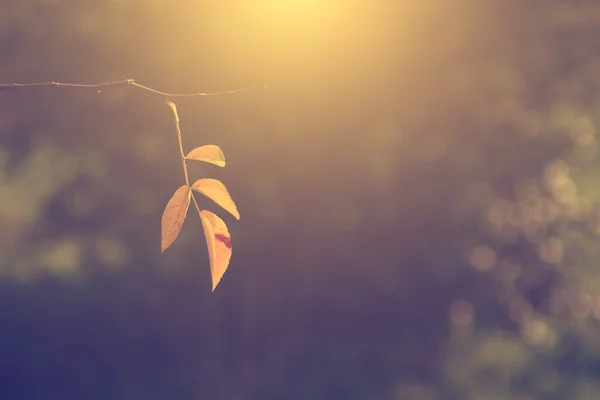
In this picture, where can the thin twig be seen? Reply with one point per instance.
(41, 85)
(181, 95)
(130, 82)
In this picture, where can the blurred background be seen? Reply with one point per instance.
(418, 184)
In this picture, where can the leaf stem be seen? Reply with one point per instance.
(196, 203)
(180, 141)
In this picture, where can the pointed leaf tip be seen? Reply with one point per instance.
(217, 192)
(174, 215)
(218, 242)
(209, 153)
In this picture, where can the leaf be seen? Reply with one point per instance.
(209, 153)
(216, 191)
(218, 242)
(174, 215)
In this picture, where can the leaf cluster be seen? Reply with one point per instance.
(218, 239)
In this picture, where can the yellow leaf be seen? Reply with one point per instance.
(216, 191)
(218, 242)
(209, 153)
(174, 215)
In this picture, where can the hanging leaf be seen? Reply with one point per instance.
(216, 191)
(174, 215)
(209, 153)
(218, 242)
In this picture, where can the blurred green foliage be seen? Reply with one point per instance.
(419, 200)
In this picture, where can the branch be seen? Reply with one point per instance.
(131, 82)
(127, 82)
